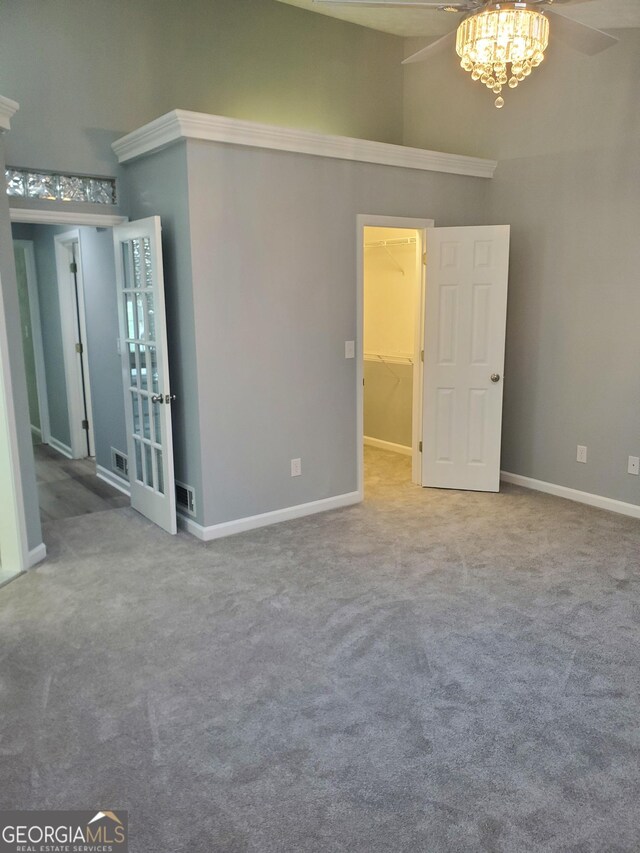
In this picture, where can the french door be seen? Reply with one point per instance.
(145, 369)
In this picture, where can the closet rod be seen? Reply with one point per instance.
(382, 244)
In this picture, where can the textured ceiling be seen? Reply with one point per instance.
(604, 14)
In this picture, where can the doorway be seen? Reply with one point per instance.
(392, 265)
(75, 344)
(390, 329)
(458, 365)
(69, 316)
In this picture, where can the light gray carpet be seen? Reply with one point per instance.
(430, 671)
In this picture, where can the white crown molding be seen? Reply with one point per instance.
(65, 217)
(600, 501)
(182, 124)
(8, 108)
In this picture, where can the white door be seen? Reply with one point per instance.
(145, 369)
(465, 318)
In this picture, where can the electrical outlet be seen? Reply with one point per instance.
(349, 349)
(582, 454)
(634, 465)
(296, 467)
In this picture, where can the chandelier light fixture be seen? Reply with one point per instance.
(499, 36)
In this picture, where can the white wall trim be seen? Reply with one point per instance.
(252, 522)
(113, 480)
(183, 124)
(65, 217)
(7, 110)
(388, 445)
(36, 555)
(599, 501)
(60, 447)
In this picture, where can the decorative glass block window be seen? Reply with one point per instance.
(54, 186)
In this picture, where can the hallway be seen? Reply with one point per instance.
(69, 487)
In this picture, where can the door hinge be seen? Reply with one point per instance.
(421, 355)
(73, 267)
(79, 349)
(424, 258)
(419, 447)
(85, 424)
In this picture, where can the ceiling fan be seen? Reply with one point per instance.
(499, 43)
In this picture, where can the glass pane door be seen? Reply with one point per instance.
(145, 370)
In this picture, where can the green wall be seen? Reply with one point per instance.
(87, 71)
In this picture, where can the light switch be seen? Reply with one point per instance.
(349, 349)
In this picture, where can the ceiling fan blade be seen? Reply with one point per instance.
(388, 4)
(431, 49)
(579, 36)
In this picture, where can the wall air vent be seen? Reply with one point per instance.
(119, 463)
(185, 498)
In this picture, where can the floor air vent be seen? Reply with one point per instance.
(119, 463)
(185, 498)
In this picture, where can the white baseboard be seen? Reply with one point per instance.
(252, 522)
(388, 445)
(36, 555)
(113, 480)
(60, 447)
(599, 501)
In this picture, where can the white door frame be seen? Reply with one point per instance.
(69, 320)
(13, 525)
(364, 220)
(16, 556)
(36, 336)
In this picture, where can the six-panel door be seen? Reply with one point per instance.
(465, 318)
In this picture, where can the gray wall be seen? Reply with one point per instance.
(42, 237)
(9, 295)
(159, 185)
(27, 336)
(87, 71)
(388, 401)
(568, 143)
(101, 312)
(274, 271)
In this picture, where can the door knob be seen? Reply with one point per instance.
(495, 377)
(157, 398)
